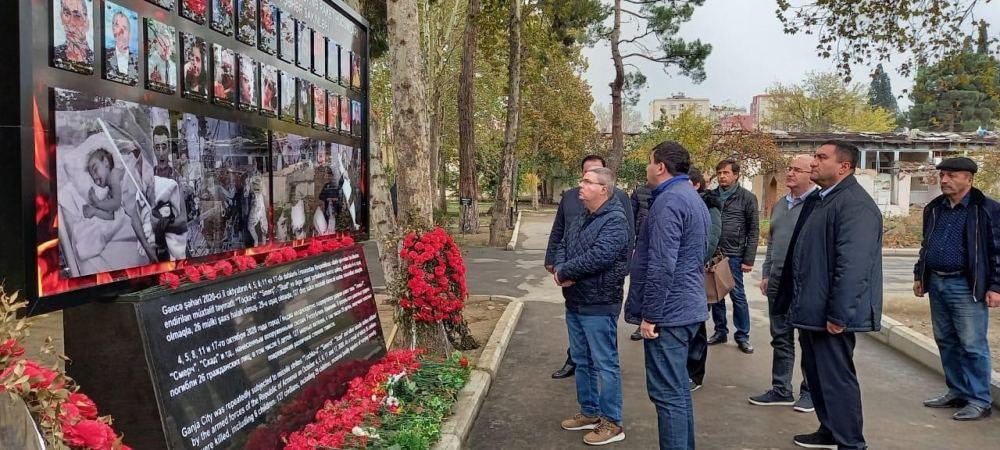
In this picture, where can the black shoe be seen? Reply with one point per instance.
(972, 412)
(718, 339)
(636, 336)
(745, 347)
(945, 401)
(771, 398)
(567, 371)
(693, 386)
(804, 403)
(815, 440)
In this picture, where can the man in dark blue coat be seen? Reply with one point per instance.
(590, 265)
(570, 207)
(831, 288)
(666, 296)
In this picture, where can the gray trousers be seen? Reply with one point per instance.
(783, 356)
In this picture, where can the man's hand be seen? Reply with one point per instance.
(550, 268)
(833, 328)
(918, 289)
(562, 283)
(648, 330)
(746, 268)
(763, 286)
(993, 299)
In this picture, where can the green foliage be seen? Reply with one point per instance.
(823, 102)
(959, 93)
(880, 91)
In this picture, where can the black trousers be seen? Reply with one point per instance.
(698, 355)
(828, 363)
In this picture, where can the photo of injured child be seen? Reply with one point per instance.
(115, 211)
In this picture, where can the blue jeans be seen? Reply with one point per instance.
(667, 383)
(960, 325)
(593, 345)
(741, 311)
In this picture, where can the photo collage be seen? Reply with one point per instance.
(139, 184)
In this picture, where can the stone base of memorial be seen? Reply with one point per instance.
(232, 363)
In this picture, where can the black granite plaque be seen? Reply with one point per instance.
(236, 363)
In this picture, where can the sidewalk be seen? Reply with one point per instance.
(524, 405)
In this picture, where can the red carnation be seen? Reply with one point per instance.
(10, 348)
(192, 273)
(86, 406)
(464, 362)
(170, 279)
(274, 258)
(208, 271)
(91, 434)
(225, 267)
(289, 254)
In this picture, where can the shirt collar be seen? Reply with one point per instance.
(825, 192)
(664, 185)
(792, 200)
(965, 202)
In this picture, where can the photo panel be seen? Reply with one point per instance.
(319, 54)
(303, 38)
(332, 61)
(249, 96)
(356, 116)
(222, 169)
(195, 77)
(286, 44)
(332, 112)
(161, 57)
(288, 93)
(223, 16)
(345, 67)
(319, 107)
(73, 35)
(304, 115)
(346, 168)
(246, 21)
(306, 193)
(356, 71)
(345, 115)
(121, 44)
(223, 75)
(268, 40)
(165, 4)
(268, 90)
(195, 10)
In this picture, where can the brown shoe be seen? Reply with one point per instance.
(580, 422)
(605, 433)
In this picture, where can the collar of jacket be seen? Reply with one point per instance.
(609, 204)
(847, 182)
(976, 197)
(666, 184)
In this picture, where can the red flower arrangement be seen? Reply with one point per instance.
(196, 6)
(336, 423)
(435, 283)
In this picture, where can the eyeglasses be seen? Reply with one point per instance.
(588, 182)
(797, 170)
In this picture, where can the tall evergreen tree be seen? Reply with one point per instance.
(958, 93)
(880, 91)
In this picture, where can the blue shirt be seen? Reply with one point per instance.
(793, 201)
(946, 250)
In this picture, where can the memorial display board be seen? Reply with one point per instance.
(141, 132)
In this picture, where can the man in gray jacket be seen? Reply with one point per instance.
(783, 217)
(832, 288)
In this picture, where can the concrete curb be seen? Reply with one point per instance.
(456, 427)
(922, 349)
(513, 237)
(762, 250)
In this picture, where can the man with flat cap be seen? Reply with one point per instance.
(959, 267)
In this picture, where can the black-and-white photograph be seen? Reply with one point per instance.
(304, 115)
(288, 93)
(319, 53)
(165, 4)
(347, 171)
(246, 21)
(319, 107)
(195, 10)
(195, 78)
(303, 38)
(268, 42)
(249, 95)
(356, 128)
(223, 16)
(121, 44)
(161, 57)
(223, 75)
(73, 35)
(286, 33)
(268, 90)
(306, 195)
(345, 67)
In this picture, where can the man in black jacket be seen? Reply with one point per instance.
(959, 267)
(569, 208)
(740, 233)
(831, 288)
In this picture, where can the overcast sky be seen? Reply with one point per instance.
(749, 53)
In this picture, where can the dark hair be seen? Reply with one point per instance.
(592, 158)
(728, 162)
(697, 178)
(673, 156)
(101, 153)
(846, 151)
(161, 130)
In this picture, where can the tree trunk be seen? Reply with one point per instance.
(617, 138)
(436, 111)
(409, 112)
(443, 185)
(468, 191)
(504, 190)
(383, 221)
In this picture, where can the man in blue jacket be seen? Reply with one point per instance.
(590, 265)
(831, 288)
(666, 296)
(569, 208)
(959, 267)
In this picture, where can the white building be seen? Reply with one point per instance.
(672, 107)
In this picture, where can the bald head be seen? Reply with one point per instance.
(797, 174)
